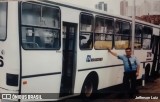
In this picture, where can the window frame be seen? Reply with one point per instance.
(40, 27)
(129, 35)
(105, 18)
(6, 22)
(92, 30)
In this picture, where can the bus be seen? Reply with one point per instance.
(59, 49)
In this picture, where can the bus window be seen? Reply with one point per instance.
(3, 20)
(103, 33)
(51, 19)
(138, 36)
(31, 14)
(99, 27)
(86, 32)
(37, 38)
(122, 35)
(40, 27)
(147, 33)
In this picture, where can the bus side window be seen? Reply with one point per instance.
(103, 33)
(147, 33)
(122, 36)
(86, 41)
(86, 32)
(40, 38)
(28, 39)
(40, 26)
(31, 14)
(50, 17)
(138, 36)
(3, 23)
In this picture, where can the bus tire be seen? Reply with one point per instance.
(89, 87)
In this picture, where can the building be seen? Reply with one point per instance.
(138, 11)
(130, 11)
(155, 8)
(146, 8)
(155, 19)
(101, 6)
(148, 11)
(124, 8)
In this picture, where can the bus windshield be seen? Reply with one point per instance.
(3, 20)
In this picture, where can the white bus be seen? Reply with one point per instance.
(52, 47)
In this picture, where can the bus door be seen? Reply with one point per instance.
(69, 61)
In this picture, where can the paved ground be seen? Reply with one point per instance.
(151, 91)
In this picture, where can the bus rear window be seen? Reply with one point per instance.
(3, 20)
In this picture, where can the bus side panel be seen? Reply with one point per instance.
(105, 73)
(10, 52)
(70, 15)
(41, 68)
(108, 76)
(141, 55)
(42, 71)
(44, 84)
(40, 62)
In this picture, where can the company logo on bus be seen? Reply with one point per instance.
(90, 59)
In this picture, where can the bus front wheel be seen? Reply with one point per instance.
(88, 89)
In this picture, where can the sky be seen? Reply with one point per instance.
(113, 5)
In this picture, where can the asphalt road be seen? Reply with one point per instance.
(149, 93)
